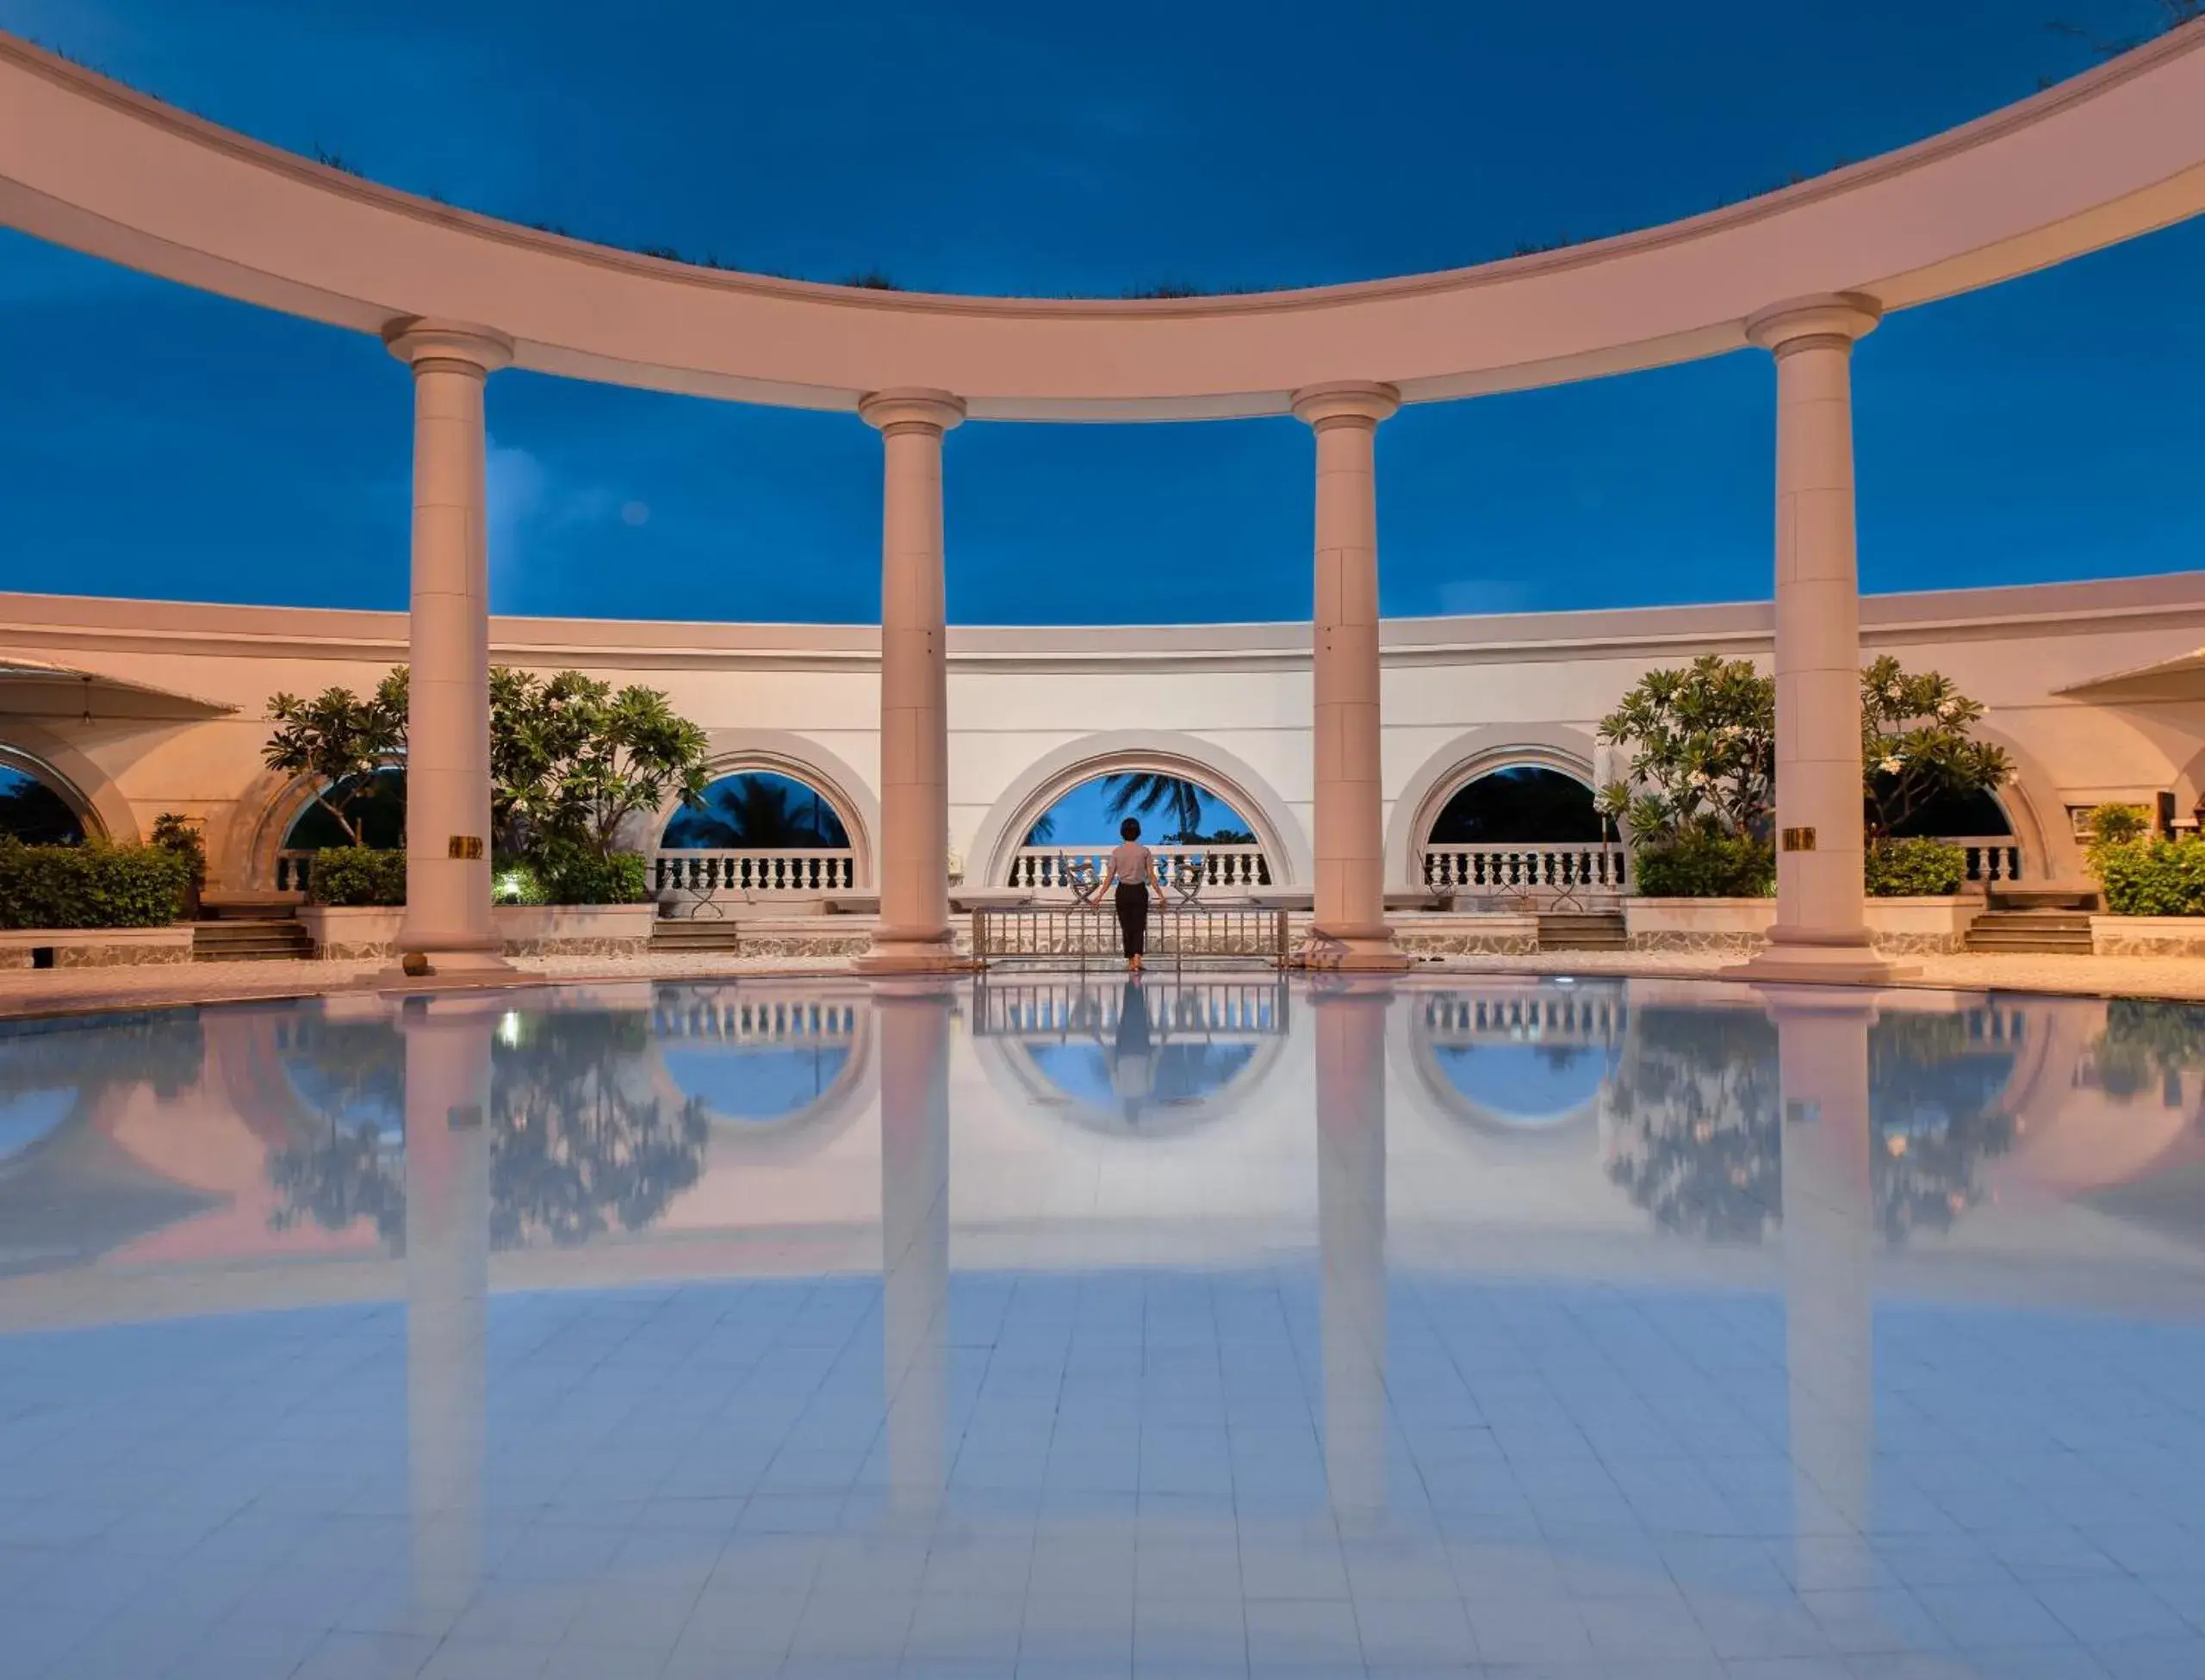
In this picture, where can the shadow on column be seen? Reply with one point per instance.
(447, 1288)
(1829, 1223)
(912, 1022)
(1350, 1037)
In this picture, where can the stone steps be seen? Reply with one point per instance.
(250, 939)
(2042, 931)
(1583, 930)
(682, 935)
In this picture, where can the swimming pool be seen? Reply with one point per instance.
(1057, 1326)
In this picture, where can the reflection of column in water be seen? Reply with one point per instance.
(447, 1286)
(1351, 1033)
(914, 1024)
(1823, 1040)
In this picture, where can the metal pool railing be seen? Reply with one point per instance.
(1081, 935)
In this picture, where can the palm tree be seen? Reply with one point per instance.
(758, 811)
(1141, 792)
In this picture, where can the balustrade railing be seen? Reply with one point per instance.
(1552, 871)
(294, 870)
(752, 873)
(1990, 857)
(1218, 871)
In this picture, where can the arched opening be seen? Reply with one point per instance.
(1194, 831)
(1517, 828)
(1977, 815)
(757, 835)
(373, 805)
(33, 809)
(1518, 804)
(757, 810)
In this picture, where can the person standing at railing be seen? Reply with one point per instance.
(1132, 873)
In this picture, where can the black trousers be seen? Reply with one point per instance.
(1133, 918)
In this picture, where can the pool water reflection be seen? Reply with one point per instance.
(1057, 1326)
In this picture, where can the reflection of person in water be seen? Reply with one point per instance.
(1133, 1057)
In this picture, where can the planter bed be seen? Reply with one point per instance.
(2147, 936)
(1897, 926)
(528, 930)
(95, 948)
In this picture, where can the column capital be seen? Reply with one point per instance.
(909, 407)
(1834, 318)
(1346, 401)
(415, 339)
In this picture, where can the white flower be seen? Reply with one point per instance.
(1891, 766)
(1893, 692)
(1948, 706)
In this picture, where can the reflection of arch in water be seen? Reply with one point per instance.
(1524, 1061)
(782, 1070)
(1062, 1045)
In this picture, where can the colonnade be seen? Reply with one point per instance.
(1820, 932)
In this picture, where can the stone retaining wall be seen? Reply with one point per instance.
(96, 947)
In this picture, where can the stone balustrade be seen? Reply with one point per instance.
(1543, 870)
(1214, 870)
(794, 872)
(1990, 857)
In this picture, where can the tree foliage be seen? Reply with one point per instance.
(1142, 792)
(1916, 745)
(572, 760)
(341, 741)
(1703, 743)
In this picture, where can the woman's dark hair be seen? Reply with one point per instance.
(1130, 828)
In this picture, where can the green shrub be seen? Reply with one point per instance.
(352, 875)
(573, 874)
(91, 885)
(2153, 877)
(1915, 868)
(515, 881)
(2116, 825)
(1704, 865)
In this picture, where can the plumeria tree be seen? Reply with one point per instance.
(1703, 751)
(1916, 745)
(342, 741)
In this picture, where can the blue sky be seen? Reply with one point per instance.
(155, 441)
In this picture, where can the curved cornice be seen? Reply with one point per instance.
(2112, 154)
(71, 627)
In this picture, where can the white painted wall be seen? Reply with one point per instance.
(177, 706)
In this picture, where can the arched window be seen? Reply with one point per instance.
(758, 811)
(1519, 804)
(1970, 815)
(1172, 811)
(376, 803)
(34, 812)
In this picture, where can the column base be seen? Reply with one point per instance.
(453, 956)
(1355, 951)
(918, 953)
(1842, 961)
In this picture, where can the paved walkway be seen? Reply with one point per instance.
(35, 992)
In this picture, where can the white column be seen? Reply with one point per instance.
(1828, 1247)
(447, 719)
(1349, 1025)
(1350, 930)
(1821, 930)
(447, 1050)
(914, 875)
